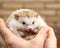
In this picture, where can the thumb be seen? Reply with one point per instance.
(42, 32)
(6, 33)
(42, 35)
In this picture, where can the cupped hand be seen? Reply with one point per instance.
(44, 39)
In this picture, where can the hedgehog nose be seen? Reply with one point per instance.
(30, 30)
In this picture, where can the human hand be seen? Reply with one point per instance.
(51, 41)
(13, 41)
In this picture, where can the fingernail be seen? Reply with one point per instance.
(45, 29)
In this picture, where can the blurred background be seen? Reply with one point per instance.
(48, 9)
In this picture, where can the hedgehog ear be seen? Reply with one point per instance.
(16, 16)
(37, 16)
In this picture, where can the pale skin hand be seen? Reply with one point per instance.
(40, 41)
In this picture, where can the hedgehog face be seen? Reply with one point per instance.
(28, 20)
(28, 24)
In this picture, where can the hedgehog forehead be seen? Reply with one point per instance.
(27, 20)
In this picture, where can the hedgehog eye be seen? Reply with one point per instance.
(33, 22)
(23, 23)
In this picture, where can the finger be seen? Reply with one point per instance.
(51, 41)
(7, 35)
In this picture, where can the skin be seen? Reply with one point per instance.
(44, 39)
